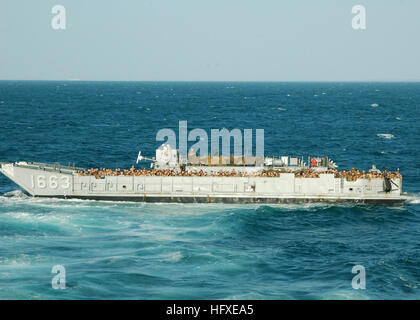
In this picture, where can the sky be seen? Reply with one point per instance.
(210, 40)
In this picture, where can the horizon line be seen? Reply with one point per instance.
(220, 81)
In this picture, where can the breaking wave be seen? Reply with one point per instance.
(15, 194)
(386, 135)
(412, 198)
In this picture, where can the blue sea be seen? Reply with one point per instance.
(113, 250)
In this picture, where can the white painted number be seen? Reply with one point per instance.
(32, 181)
(42, 182)
(53, 182)
(65, 182)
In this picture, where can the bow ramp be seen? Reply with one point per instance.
(40, 179)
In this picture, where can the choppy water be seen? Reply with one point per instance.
(187, 251)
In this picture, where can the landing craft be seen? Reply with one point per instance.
(268, 180)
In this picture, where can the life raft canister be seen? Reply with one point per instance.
(313, 162)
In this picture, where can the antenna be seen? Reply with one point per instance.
(140, 158)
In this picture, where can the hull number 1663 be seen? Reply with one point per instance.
(52, 182)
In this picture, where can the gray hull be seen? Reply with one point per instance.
(227, 200)
(43, 180)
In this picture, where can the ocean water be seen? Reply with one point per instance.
(116, 250)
